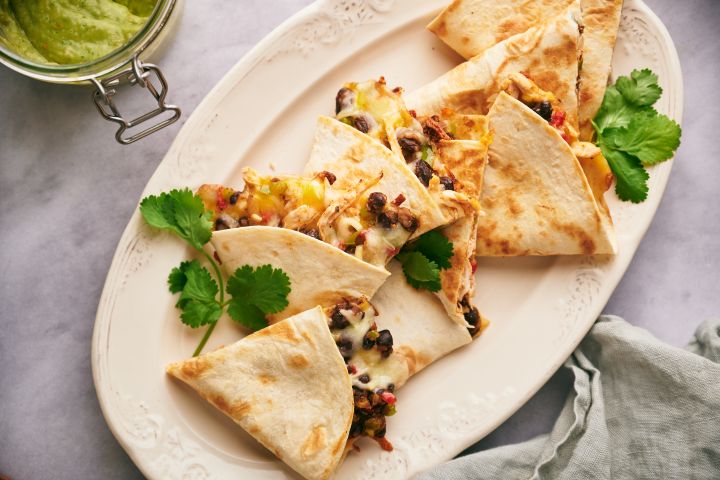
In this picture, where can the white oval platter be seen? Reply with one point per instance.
(262, 114)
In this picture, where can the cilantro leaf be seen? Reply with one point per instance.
(640, 89)
(247, 315)
(631, 177)
(182, 213)
(420, 272)
(652, 138)
(434, 246)
(615, 111)
(197, 291)
(256, 293)
(631, 133)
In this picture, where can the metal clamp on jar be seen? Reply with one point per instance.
(122, 66)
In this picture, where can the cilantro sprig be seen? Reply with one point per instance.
(423, 260)
(255, 292)
(632, 135)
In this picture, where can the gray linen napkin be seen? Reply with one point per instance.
(639, 409)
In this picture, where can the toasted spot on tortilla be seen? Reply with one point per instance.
(513, 206)
(314, 442)
(585, 241)
(194, 368)
(308, 338)
(465, 40)
(509, 28)
(225, 247)
(266, 379)
(548, 80)
(240, 409)
(299, 361)
(441, 28)
(281, 330)
(342, 441)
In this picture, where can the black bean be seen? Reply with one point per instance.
(384, 343)
(361, 124)
(344, 99)
(544, 109)
(472, 316)
(408, 221)
(368, 341)
(339, 321)
(364, 378)
(350, 249)
(376, 202)
(243, 221)
(388, 219)
(448, 183)
(424, 172)
(391, 387)
(346, 348)
(234, 198)
(221, 224)
(409, 146)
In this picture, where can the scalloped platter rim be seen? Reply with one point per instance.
(262, 114)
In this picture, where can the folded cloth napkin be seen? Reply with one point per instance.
(639, 409)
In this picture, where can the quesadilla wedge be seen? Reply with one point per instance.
(472, 26)
(601, 19)
(547, 53)
(536, 198)
(392, 205)
(335, 274)
(594, 165)
(342, 217)
(286, 385)
(308, 386)
(371, 108)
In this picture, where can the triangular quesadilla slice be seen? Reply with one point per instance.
(536, 198)
(308, 386)
(547, 53)
(472, 26)
(372, 108)
(601, 19)
(336, 275)
(286, 385)
(392, 205)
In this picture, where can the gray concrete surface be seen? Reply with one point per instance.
(67, 191)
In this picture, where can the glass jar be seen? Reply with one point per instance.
(124, 66)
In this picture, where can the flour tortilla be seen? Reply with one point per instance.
(353, 156)
(535, 196)
(421, 329)
(467, 160)
(601, 19)
(548, 53)
(472, 26)
(320, 274)
(287, 386)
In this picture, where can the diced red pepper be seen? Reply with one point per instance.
(558, 118)
(266, 216)
(388, 397)
(565, 137)
(352, 370)
(399, 200)
(384, 444)
(473, 264)
(220, 201)
(391, 252)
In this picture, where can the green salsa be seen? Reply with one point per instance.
(70, 31)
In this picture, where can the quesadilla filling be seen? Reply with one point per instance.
(289, 202)
(372, 104)
(368, 354)
(544, 103)
(373, 227)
